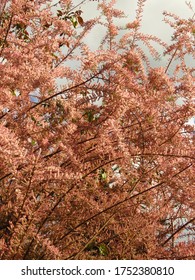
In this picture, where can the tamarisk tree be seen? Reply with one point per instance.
(96, 155)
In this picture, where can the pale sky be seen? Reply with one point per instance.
(152, 20)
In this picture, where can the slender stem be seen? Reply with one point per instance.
(82, 2)
(7, 32)
(178, 230)
(92, 238)
(120, 203)
(170, 61)
(46, 218)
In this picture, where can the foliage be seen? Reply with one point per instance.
(101, 167)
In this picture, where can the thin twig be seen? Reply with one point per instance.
(120, 203)
(178, 230)
(92, 238)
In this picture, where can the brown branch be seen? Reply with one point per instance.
(61, 92)
(6, 35)
(171, 59)
(92, 238)
(5, 176)
(46, 218)
(164, 155)
(25, 197)
(105, 163)
(107, 66)
(178, 230)
(119, 203)
(52, 154)
(73, 48)
(3, 115)
(173, 135)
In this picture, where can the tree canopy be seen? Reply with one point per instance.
(101, 166)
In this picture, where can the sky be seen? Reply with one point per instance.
(152, 19)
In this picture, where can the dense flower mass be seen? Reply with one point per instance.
(96, 154)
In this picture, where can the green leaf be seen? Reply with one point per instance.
(74, 21)
(15, 92)
(103, 249)
(91, 246)
(54, 55)
(170, 98)
(102, 174)
(90, 116)
(33, 119)
(33, 142)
